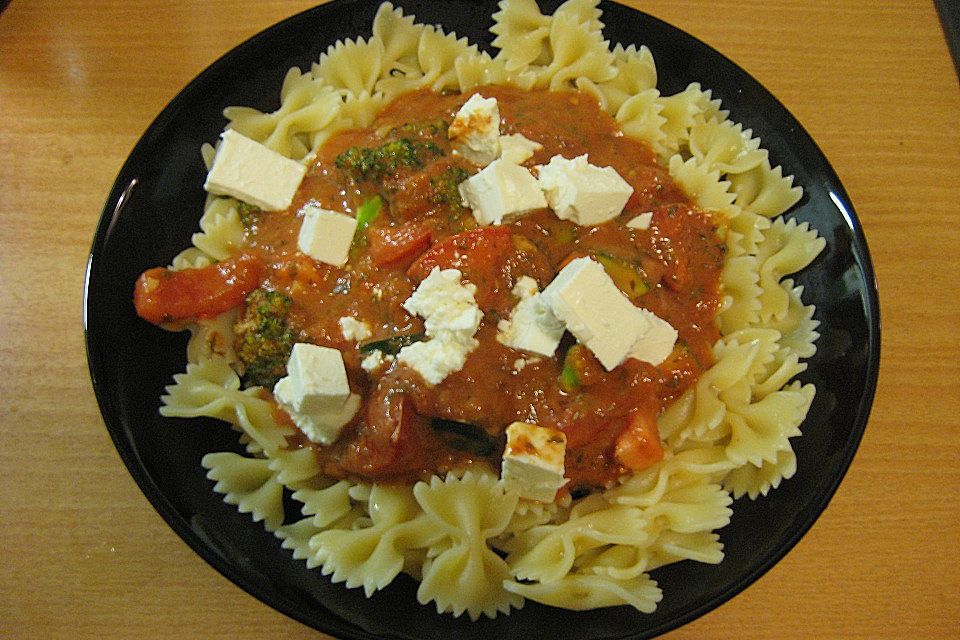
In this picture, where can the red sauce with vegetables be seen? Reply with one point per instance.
(407, 428)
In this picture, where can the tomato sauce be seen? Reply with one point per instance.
(403, 431)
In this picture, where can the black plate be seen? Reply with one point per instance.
(154, 207)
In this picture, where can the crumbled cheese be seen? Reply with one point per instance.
(521, 363)
(533, 461)
(475, 130)
(501, 189)
(584, 193)
(451, 318)
(641, 222)
(316, 393)
(532, 325)
(375, 360)
(526, 287)
(517, 148)
(253, 173)
(326, 235)
(599, 316)
(353, 329)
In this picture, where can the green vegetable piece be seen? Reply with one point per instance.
(569, 380)
(628, 277)
(249, 214)
(264, 338)
(392, 345)
(444, 188)
(375, 164)
(367, 213)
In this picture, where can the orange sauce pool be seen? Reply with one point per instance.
(395, 436)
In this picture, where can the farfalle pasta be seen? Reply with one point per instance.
(723, 415)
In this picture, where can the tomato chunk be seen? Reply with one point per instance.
(397, 246)
(392, 439)
(491, 258)
(639, 447)
(164, 296)
(476, 248)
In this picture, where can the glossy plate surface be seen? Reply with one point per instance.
(154, 208)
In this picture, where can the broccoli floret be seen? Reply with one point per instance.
(264, 338)
(249, 214)
(443, 188)
(365, 163)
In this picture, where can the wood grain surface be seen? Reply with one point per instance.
(86, 556)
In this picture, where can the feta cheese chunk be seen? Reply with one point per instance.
(353, 329)
(641, 222)
(475, 130)
(451, 318)
(375, 360)
(533, 461)
(326, 235)
(532, 325)
(517, 148)
(501, 189)
(657, 343)
(253, 173)
(600, 316)
(315, 392)
(584, 193)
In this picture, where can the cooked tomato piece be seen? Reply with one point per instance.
(589, 460)
(477, 248)
(491, 258)
(397, 246)
(165, 296)
(392, 439)
(582, 430)
(639, 447)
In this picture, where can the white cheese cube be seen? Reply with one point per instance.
(326, 235)
(475, 130)
(502, 189)
(316, 393)
(532, 325)
(253, 173)
(533, 461)
(353, 329)
(319, 372)
(595, 311)
(600, 316)
(641, 221)
(517, 148)
(585, 193)
(657, 343)
(451, 318)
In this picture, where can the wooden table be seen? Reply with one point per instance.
(86, 556)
